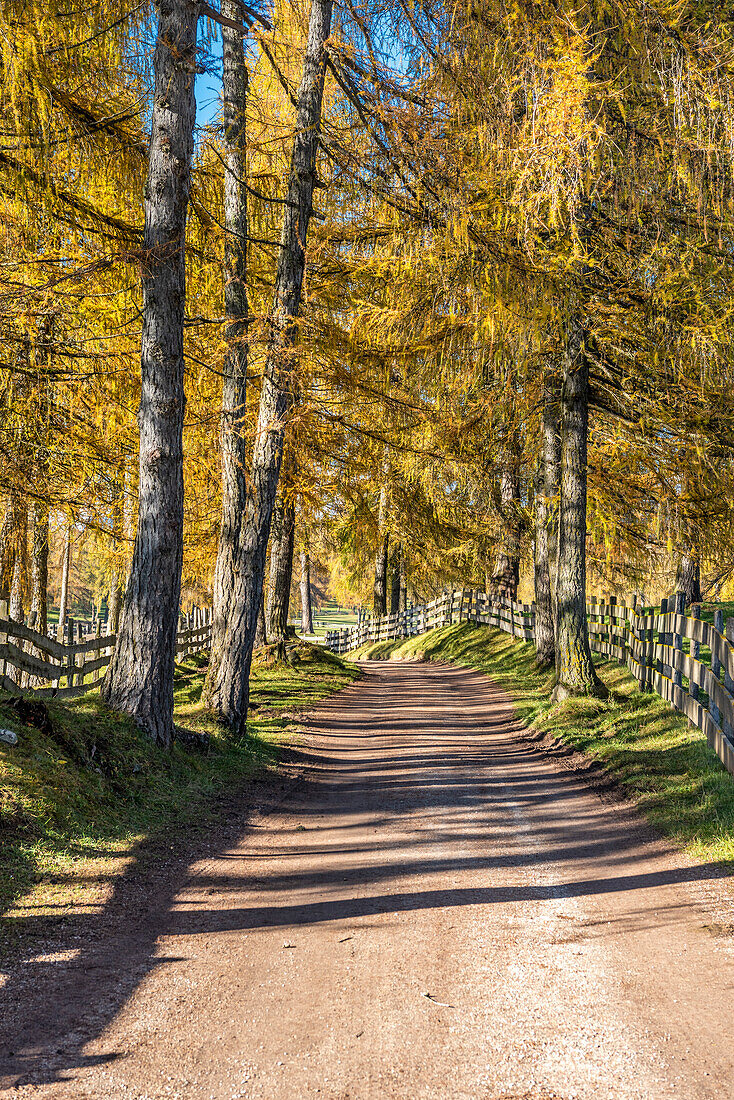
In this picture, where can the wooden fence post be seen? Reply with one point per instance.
(640, 634)
(70, 661)
(726, 725)
(718, 626)
(98, 647)
(693, 688)
(79, 657)
(612, 626)
(680, 606)
(728, 681)
(662, 637)
(729, 633)
(649, 650)
(716, 666)
(3, 635)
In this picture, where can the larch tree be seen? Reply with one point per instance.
(305, 590)
(235, 80)
(546, 527)
(229, 693)
(379, 601)
(575, 672)
(282, 536)
(139, 679)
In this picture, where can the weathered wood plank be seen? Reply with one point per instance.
(40, 641)
(26, 662)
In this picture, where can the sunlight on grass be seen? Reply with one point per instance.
(663, 763)
(80, 799)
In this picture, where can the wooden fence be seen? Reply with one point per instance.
(43, 666)
(685, 660)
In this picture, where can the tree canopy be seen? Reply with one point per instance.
(477, 206)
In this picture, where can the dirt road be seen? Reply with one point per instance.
(436, 910)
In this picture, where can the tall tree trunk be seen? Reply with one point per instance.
(139, 679)
(19, 586)
(403, 604)
(306, 606)
(40, 507)
(261, 637)
(9, 536)
(114, 604)
(65, 570)
(114, 599)
(379, 600)
(545, 531)
(395, 580)
(39, 566)
(574, 665)
(229, 692)
(281, 573)
(689, 576)
(235, 79)
(506, 573)
(38, 612)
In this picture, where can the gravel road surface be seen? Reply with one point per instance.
(434, 909)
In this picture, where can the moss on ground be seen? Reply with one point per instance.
(75, 800)
(651, 750)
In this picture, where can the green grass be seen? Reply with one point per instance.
(708, 610)
(74, 803)
(330, 617)
(664, 764)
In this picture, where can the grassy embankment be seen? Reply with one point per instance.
(75, 801)
(665, 765)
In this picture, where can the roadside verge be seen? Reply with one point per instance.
(82, 789)
(647, 749)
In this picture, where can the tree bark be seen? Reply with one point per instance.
(39, 566)
(64, 596)
(306, 606)
(506, 573)
(114, 599)
(545, 531)
(395, 579)
(19, 586)
(235, 79)
(281, 573)
(229, 692)
(689, 577)
(575, 673)
(379, 599)
(9, 536)
(114, 604)
(139, 679)
(261, 637)
(403, 605)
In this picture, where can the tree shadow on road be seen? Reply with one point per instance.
(445, 775)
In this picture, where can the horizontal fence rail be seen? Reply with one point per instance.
(685, 660)
(39, 664)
